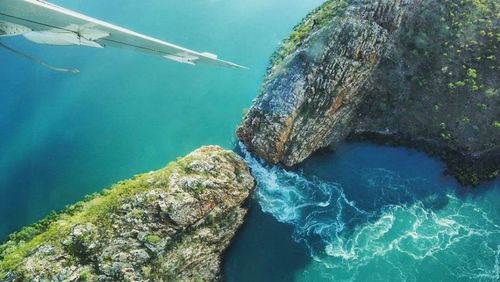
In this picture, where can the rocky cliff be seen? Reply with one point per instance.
(420, 73)
(171, 224)
(310, 95)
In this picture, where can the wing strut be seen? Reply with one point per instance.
(38, 61)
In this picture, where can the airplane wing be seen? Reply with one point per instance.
(46, 23)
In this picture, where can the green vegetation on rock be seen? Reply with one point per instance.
(152, 238)
(443, 70)
(411, 70)
(139, 224)
(314, 21)
(96, 208)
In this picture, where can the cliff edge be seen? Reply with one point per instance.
(418, 73)
(171, 224)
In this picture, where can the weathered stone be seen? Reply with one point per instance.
(417, 73)
(309, 99)
(172, 224)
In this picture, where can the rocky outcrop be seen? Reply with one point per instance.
(310, 97)
(390, 71)
(168, 225)
(436, 89)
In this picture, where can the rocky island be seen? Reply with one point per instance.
(418, 73)
(171, 224)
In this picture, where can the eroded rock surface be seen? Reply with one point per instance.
(418, 73)
(310, 97)
(168, 225)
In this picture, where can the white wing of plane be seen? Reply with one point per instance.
(46, 23)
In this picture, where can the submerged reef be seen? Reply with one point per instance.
(166, 225)
(417, 73)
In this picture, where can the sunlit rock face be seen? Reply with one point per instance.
(169, 225)
(415, 73)
(310, 96)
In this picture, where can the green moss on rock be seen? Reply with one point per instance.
(138, 228)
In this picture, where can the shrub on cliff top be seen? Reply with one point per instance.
(314, 21)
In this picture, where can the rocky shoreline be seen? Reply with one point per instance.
(171, 224)
(420, 73)
(310, 97)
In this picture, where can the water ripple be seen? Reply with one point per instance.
(406, 228)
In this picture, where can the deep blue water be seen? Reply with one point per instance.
(367, 213)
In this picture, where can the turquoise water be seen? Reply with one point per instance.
(63, 136)
(366, 213)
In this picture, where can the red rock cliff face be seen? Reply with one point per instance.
(310, 97)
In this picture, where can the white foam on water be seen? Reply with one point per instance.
(460, 240)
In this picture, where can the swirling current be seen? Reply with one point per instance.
(387, 227)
